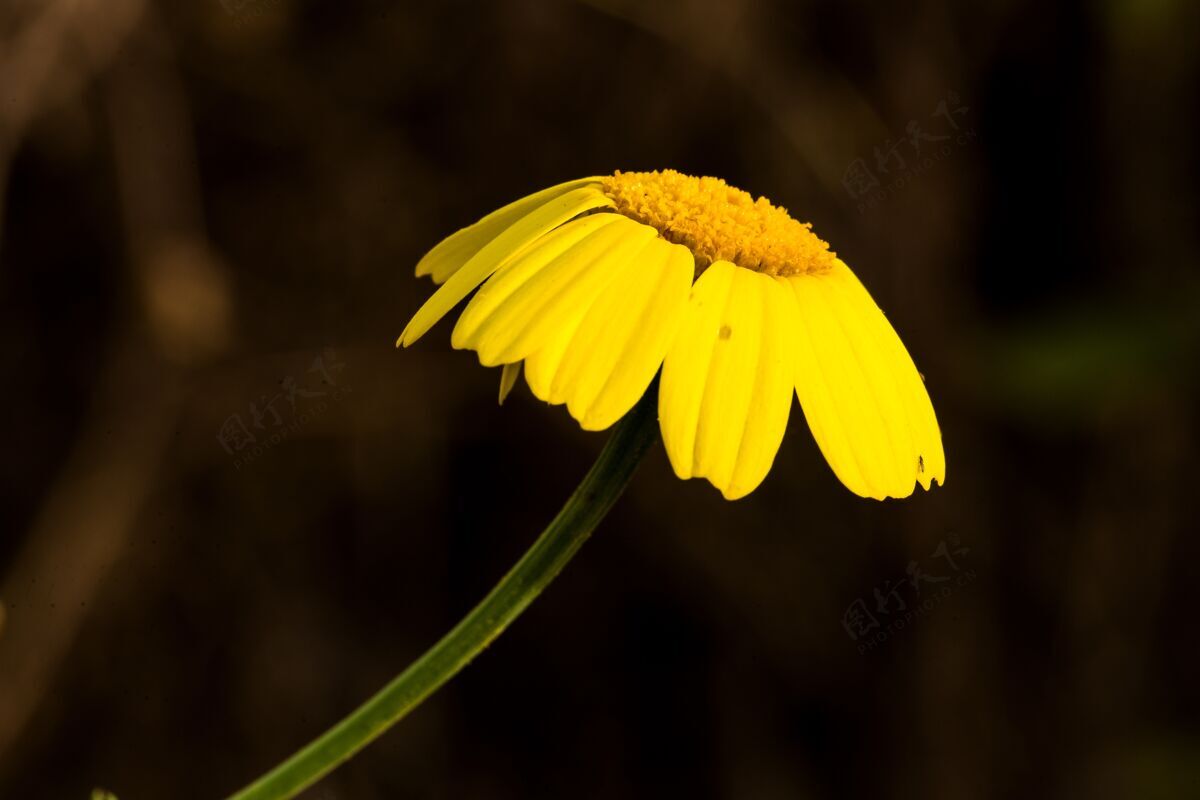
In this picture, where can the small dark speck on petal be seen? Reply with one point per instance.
(725, 332)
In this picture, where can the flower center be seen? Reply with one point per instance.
(719, 222)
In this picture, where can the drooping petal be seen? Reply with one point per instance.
(539, 304)
(620, 341)
(570, 242)
(541, 366)
(726, 387)
(456, 249)
(508, 379)
(525, 230)
(863, 398)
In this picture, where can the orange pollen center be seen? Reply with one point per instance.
(719, 222)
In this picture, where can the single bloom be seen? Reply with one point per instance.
(596, 284)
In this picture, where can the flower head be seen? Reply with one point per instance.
(718, 222)
(596, 283)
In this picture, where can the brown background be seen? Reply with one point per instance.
(199, 198)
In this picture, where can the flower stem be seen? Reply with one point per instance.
(588, 505)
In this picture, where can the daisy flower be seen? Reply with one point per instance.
(596, 284)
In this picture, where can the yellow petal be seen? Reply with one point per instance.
(554, 296)
(492, 256)
(726, 387)
(541, 366)
(456, 249)
(570, 241)
(508, 379)
(619, 344)
(862, 396)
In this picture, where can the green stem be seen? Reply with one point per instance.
(588, 505)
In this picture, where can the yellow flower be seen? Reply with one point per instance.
(596, 283)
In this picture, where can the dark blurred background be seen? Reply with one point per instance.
(210, 216)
